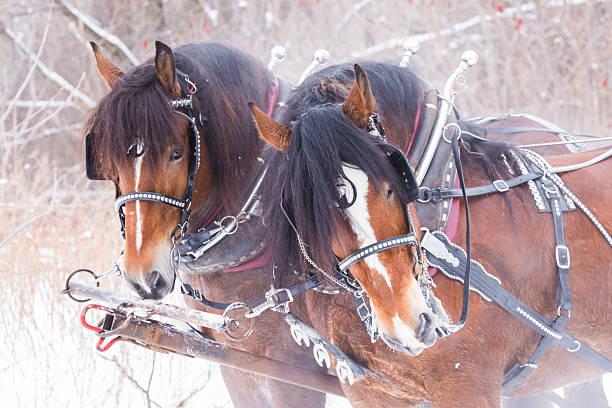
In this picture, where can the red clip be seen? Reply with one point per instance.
(96, 329)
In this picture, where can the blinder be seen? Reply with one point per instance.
(398, 160)
(91, 169)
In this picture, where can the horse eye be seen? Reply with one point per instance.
(176, 155)
(389, 192)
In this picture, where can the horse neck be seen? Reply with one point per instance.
(230, 185)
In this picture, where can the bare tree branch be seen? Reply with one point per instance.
(54, 76)
(509, 12)
(35, 59)
(96, 28)
(22, 227)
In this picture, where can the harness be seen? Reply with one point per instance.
(452, 260)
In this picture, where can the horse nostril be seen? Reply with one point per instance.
(157, 284)
(427, 329)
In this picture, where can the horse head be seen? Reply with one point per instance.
(343, 193)
(145, 144)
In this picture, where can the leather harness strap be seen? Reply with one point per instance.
(282, 295)
(498, 186)
(451, 260)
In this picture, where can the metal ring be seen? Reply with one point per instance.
(423, 190)
(577, 347)
(449, 125)
(66, 290)
(237, 306)
(229, 229)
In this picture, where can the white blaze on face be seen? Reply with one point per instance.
(137, 165)
(359, 217)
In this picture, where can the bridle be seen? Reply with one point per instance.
(184, 203)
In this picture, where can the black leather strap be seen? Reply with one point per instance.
(519, 372)
(562, 256)
(281, 297)
(468, 249)
(498, 186)
(482, 282)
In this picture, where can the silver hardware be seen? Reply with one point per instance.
(573, 350)
(321, 355)
(562, 256)
(422, 192)
(250, 206)
(271, 303)
(410, 46)
(501, 186)
(530, 365)
(321, 57)
(228, 320)
(299, 335)
(277, 54)
(344, 372)
(569, 312)
(468, 59)
(452, 126)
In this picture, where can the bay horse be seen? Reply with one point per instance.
(333, 187)
(145, 143)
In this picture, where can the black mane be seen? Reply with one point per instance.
(139, 108)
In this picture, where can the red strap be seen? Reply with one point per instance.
(272, 96)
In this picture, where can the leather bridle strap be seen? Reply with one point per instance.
(380, 246)
(155, 197)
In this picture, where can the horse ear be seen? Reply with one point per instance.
(106, 68)
(359, 103)
(165, 68)
(271, 131)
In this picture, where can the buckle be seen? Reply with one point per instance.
(562, 256)
(501, 186)
(272, 302)
(273, 295)
(551, 191)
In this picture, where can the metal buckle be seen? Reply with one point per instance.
(501, 186)
(562, 256)
(272, 295)
(272, 303)
(551, 191)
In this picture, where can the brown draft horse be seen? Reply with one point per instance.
(143, 145)
(327, 144)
